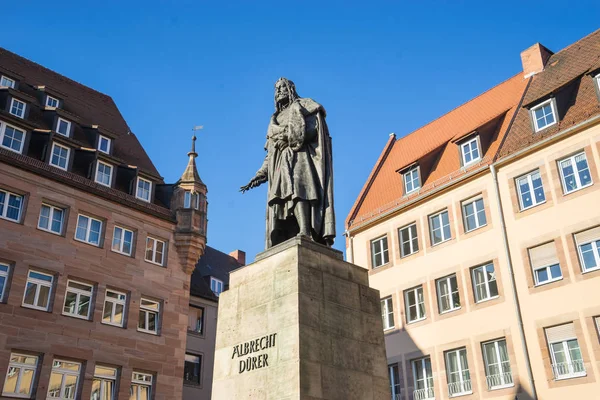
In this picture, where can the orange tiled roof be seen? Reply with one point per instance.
(383, 190)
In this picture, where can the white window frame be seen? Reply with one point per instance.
(88, 230)
(22, 367)
(4, 276)
(486, 283)
(426, 393)
(53, 210)
(541, 105)
(108, 144)
(155, 242)
(467, 145)
(121, 238)
(64, 373)
(49, 100)
(113, 305)
(78, 294)
(215, 285)
(565, 349)
(534, 201)
(409, 178)
(575, 173)
(413, 241)
(138, 379)
(450, 295)
(110, 175)
(147, 311)
(504, 379)
(38, 283)
(102, 378)
(387, 313)
(5, 79)
(464, 384)
(4, 208)
(441, 222)
(595, 251)
(476, 211)
(385, 253)
(137, 189)
(12, 104)
(68, 134)
(3, 126)
(55, 145)
(407, 305)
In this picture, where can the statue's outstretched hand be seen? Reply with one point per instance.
(254, 182)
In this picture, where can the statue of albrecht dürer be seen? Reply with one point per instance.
(299, 169)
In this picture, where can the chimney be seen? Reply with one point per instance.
(534, 59)
(240, 256)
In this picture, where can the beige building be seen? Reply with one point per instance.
(481, 232)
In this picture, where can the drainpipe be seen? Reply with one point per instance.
(513, 284)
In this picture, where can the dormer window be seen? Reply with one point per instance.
(11, 137)
(60, 156)
(63, 127)
(411, 179)
(469, 151)
(104, 144)
(7, 82)
(17, 108)
(191, 200)
(216, 285)
(544, 115)
(51, 101)
(597, 79)
(104, 173)
(143, 189)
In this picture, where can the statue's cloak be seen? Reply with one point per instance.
(301, 170)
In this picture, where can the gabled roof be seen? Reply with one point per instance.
(212, 263)
(383, 190)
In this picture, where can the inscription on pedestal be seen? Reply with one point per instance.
(248, 348)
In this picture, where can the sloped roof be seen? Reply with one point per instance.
(212, 263)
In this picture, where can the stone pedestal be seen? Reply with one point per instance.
(300, 323)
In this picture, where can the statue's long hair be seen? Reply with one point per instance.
(291, 87)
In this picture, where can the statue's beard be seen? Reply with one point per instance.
(283, 103)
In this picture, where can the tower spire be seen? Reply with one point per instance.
(191, 171)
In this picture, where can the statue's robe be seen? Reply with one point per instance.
(302, 170)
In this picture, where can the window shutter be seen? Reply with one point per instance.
(588, 236)
(544, 255)
(561, 333)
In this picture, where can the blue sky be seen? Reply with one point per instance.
(377, 67)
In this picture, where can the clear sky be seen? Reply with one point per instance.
(377, 67)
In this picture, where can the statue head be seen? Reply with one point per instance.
(285, 93)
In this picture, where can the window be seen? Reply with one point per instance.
(88, 230)
(148, 320)
(104, 173)
(387, 313)
(7, 82)
(78, 299)
(457, 371)
(4, 268)
(439, 227)
(575, 173)
(60, 156)
(64, 380)
(191, 199)
(144, 189)
(38, 290)
(216, 285)
(51, 101)
(155, 251)
(409, 243)
(114, 308)
(423, 379)
(379, 252)
(12, 138)
(122, 241)
(544, 264)
(10, 206)
(469, 151)
(141, 386)
(484, 283)
(51, 219)
(104, 383)
(474, 215)
(448, 295)
(395, 381)
(588, 246)
(196, 320)
(191, 369)
(20, 376)
(497, 365)
(63, 127)
(17, 108)
(415, 304)
(411, 180)
(531, 190)
(567, 361)
(104, 144)
(543, 115)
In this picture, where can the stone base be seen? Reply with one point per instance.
(300, 323)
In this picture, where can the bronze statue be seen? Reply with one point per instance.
(299, 169)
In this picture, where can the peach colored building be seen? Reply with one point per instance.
(481, 232)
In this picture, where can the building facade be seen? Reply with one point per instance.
(479, 230)
(96, 251)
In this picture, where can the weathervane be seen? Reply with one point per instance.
(195, 129)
